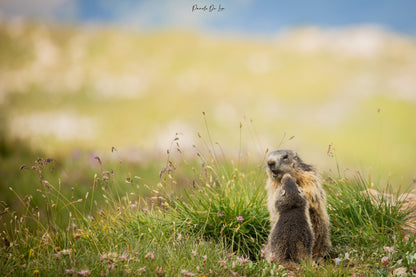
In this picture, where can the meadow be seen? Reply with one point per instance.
(141, 153)
(216, 226)
(67, 89)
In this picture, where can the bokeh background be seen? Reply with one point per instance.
(335, 81)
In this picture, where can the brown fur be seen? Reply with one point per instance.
(287, 161)
(291, 238)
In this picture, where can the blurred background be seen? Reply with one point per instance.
(121, 79)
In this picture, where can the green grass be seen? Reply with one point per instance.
(72, 174)
(131, 213)
(361, 216)
(112, 232)
(213, 207)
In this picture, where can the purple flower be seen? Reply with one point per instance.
(240, 218)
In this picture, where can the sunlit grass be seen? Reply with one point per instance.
(111, 205)
(228, 210)
(217, 227)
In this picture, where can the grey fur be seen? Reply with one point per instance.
(292, 237)
(281, 162)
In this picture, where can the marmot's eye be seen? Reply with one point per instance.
(285, 157)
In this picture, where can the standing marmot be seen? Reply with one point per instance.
(291, 238)
(287, 161)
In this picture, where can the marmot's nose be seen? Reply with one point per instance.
(271, 163)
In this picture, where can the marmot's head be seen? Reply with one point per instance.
(289, 195)
(280, 162)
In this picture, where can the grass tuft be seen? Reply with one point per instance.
(231, 211)
(360, 214)
(214, 228)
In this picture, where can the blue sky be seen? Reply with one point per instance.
(238, 16)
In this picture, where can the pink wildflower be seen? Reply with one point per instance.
(385, 261)
(388, 249)
(150, 256)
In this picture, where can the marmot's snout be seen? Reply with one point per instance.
(273, 168)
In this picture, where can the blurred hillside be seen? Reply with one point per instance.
(65, 89)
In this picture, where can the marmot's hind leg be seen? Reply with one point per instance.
(303, 253)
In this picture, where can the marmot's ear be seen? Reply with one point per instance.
(295, 154)
(283, 193)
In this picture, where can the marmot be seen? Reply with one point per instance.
(291, 238)
(287, 161)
